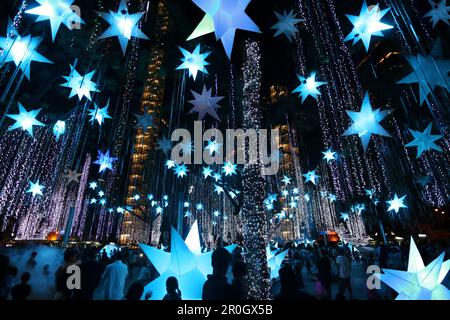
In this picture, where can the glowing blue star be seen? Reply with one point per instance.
(57, 12)
(123, 25)
(205, 103)
(194, 62)
(99, 114)
(187, 214)
(419, 282)
(396, 203)
(429, 72)
(424, 140)
(217, 177)
(150, 197)
(181, 170)
(223, 17)
(269, 206)
(366, 122)
(344, 216)
(293, 204)
(332, 197)
(423, 181)
(159, 210)
(93, 185)
(216, 213)
(164, 144)
(35, 188)
(199, 206)
(136, 197)
(329, 155)
(307, 197)
(186, 204)
(213, 147)
(311, 176)
(145, 120)
(286, 180)
(101, 194)
(102, 201)
(93, 201)
(439, 12)
(286, 24)
(207, 171)
(229, 168)
(308, 87)
(25, 120)
(170, 164)
(284, 193)
(59, 129)
(21, 50)
(295, 191)
(218, 189)
(367, 24)
(272, 197)
(120, 210)
(281, 215)
(105, 161)
(80, 85)
(324, 194)
(369, 193)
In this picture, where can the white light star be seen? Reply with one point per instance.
(194, 62)
(93, 185)
(35, 188)
(329, 155)
(286, 180)
(25, 120)
(80, 85)
(396, 203)
(311, 176)
(229, 168)
(207, 171)
(308, 87)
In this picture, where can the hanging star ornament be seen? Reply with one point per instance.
(194, 62)
(396, 203)
(286, 180)
(185, 261)
(207, 172)
(105, 161)
(329, 155)
(59, 129)
(99, 114)
(308, 87)
(344, 216)
(367, 24)
(424, 140)
(286, 24)
(20, 50)
(123, 25)
(418, 282)
(35, 188)
(311, 176)
(93, 185)
(80, 85)
(204, 104)
(366, 122)
(25, 120)
(72, 175)
(229, 168)
(164, 145)
(439, 12)
(181, 170)
(144, 121)
(58, 12)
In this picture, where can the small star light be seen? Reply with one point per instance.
(186, 204)
(93, 201)
(293, 204)
(344, 216)
(136, 197)
(205, 103)
(295, 191)
(159, 210)
(286, 180)
(194, 62)
(272, 197)
(150, 197)
(58, 12)
(145, 120)
(80, 85)
(367, 24)
(307, 197)
(439, 12)
(25, 120)
(332, 197)
(170, 164)
(216, 213)
(223, 18)
(164, 144)
(213, 147)
(99, 114)
(367, 122)
(329, 155)
(101, 194)
(217, 177)
(35, 188)
(424, 140)
(188, 214)
(308, 87)
(286, 24)
(122, 25)
(20, 50)
(181, 170)
(103, 201)
(72, 175)
(59, 129)
(199, 206)
(120, 210)
(218, 189)
(207, 171)
(284, 193)
(229, 168)
(396, 203)
(105, 161)
(311, 176)
(369, 193)
(419, 282)
(93, 185)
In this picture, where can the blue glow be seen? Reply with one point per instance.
(122, 25)
(311, 176)
(181, 170)
(344, 216)
(35, 188)
(439, 12)
(332, 197)
(216, 213)
(199, 206)
(369, 192)
(308, 87)
(80, 85)
(164, 144)
(93, 201)
(144, 121)
(101, 194)
(424, 141)
(159, 210)
(423, 181)
(286, 24)
(170, 164)
(367, 122)
(218, 189)
(99, 114)
(194, 62)
(59, 129)
(272, 197)
(274, 260)
(329, 155)
(284, 193)
(367, 24)
(207, 171)
(307, 197)
(229, 168)
(213, 147)
(396, 203)
(103, 201)
(93, 185)
(286, 180)
(187, 214)
(136, 197)
(105, 161)
(205, 103)
(25, 120)
(217, 176)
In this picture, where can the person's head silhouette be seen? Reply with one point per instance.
(220, 261)
(172, 285)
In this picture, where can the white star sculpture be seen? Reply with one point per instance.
(204, 104)
(286, 24)
(80, 85)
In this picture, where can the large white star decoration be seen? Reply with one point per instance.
(58, 12)
(367, 24)
(311, 176)
(35, 188)
(424, 140)
(25, 120)
(20, 50)
(194, 62)
(367, 122)
(396, 203)
(123, 25)
(80, 85)
(164, 144)
(72, 175)
(186, 262)
(439, 12)
(99, 114)
(308, 87)
(329, 155)
(286, 24)
(229, 168)
(419, 282)
(144, 121)
(59, 129)
(223, 17)
(204, 104)
(105, 161)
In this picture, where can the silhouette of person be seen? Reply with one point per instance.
(173, 293)
(289, 286)
(239, 283)
(23, 289)
(217, 286)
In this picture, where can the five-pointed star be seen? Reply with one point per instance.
(187, 214)
(144, 121)
(286, 24)
(123, 25)
(367, 122)
(424, 140)
(439, 12)
(80, 85)
(72, 175)
(308, 87)
(396, 203)
(25, 119)
(344, 216)
(329, 155)
(204, 104)
(194, 62)
(223, 17)
(311, 176)
(35, 188)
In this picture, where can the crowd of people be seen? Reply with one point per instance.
(123, 274)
